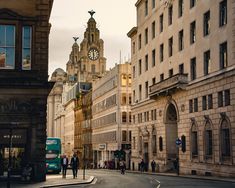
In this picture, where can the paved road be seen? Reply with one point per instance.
(113, 179)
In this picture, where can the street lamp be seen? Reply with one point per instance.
(84, 154)
(9, 162)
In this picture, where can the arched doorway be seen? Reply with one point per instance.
(171, 127)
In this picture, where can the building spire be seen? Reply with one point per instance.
(91, 12)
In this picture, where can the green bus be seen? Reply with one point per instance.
(53, 152)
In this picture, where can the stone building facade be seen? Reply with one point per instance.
(111, 114)
(86, 64)
(54, 100)
(24, 86)
(183, 86)
(83, 131)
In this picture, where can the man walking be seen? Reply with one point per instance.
(64, 164)
(74, 164)
(153, 165)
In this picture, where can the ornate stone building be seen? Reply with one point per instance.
(183, 85)
(24, 86)
(87, 62)
(111, 115)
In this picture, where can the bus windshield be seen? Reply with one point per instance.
(52, 154)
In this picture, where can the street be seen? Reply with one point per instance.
(113, 179)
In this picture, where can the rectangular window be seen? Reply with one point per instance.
(161, 77)
(134, 98)
(146, 36)
(206, 23)
(153, 3)
(223, 55)
(204, 103)
(181, 40)
(193, 68)
(190, 106)
(124, 136)
(195, 101)
(170, 73)
(146, 7)
(26, 47)
(133, 47)
(133, 119)
(181, 68)
(139, 41)
(130, 136)
(133, 71)
(210, 101)
(161, 23)
(146, 63)
(146, 89)
(192, 3)
(170, 46)
(223, 13)
(155, 114)
(220, 99)
(153, 58)
(7, 47)
(207, 61)
(170, 14)
(140, 67)
(93, 69)
(227, 97)
(153, 80)
(153, 30)
(140, 92)
(181, 7)
(193, 32)
(161, 52)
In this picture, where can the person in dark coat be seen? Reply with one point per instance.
(153, 165)
(64, 164)
(74, 164)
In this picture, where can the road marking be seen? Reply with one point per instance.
(159, 183)
(94, 181)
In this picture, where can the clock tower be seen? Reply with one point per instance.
(87, 63)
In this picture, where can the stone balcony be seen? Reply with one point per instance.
(169, 85)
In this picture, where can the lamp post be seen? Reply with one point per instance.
(84, 153)
(9, 162)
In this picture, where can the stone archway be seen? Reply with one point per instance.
(171, 127)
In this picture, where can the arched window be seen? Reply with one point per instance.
(225, 139)
(194, 140)
(183, 139)
(208, 140)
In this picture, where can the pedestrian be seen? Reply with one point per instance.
(64, 164)
(122, 166)
(153, 165)
(74, 164)
(142, 165)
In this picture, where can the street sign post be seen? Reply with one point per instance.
(178, 142)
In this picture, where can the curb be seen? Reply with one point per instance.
(67, 184)
(183, 176)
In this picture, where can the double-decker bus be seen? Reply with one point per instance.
(53, 152)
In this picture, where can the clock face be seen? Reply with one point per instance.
(93, 54)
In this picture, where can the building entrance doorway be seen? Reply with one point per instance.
(17, 160)
(146, 156)
(18, 150)
(171, 135)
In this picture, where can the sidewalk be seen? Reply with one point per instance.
(213, 178)
(53, 181)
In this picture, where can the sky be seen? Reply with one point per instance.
(114, 19)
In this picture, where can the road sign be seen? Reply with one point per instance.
(178, 142)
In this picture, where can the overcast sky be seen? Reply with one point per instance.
(69, 18)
